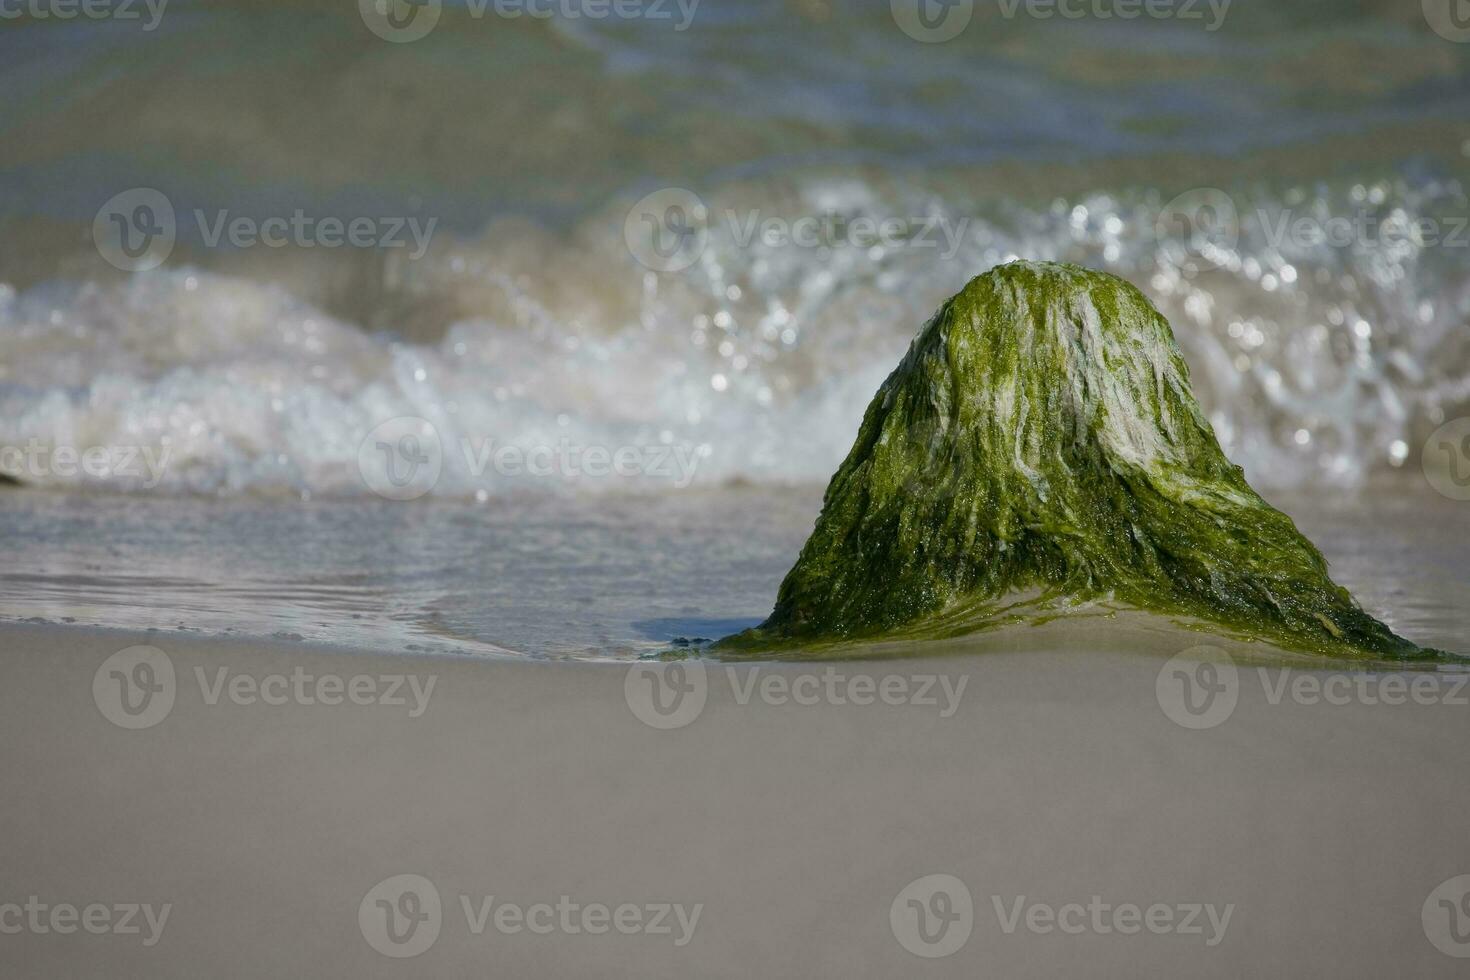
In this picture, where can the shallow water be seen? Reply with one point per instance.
(604, 577)
(537, 576)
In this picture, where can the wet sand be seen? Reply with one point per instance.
(792, 827)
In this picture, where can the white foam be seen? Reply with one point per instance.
(756, 363)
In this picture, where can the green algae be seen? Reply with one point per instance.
(1041, 439)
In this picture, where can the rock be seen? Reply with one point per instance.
(1040, 442)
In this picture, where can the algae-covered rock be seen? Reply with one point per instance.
(1040, 437)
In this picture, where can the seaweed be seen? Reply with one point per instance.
(1040, 445)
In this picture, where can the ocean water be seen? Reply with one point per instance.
(629, 284)
(605, 577)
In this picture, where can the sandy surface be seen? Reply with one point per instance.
(1046, 779)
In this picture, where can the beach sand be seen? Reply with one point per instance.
(1053, 776)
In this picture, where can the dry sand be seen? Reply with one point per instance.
(794, 827)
